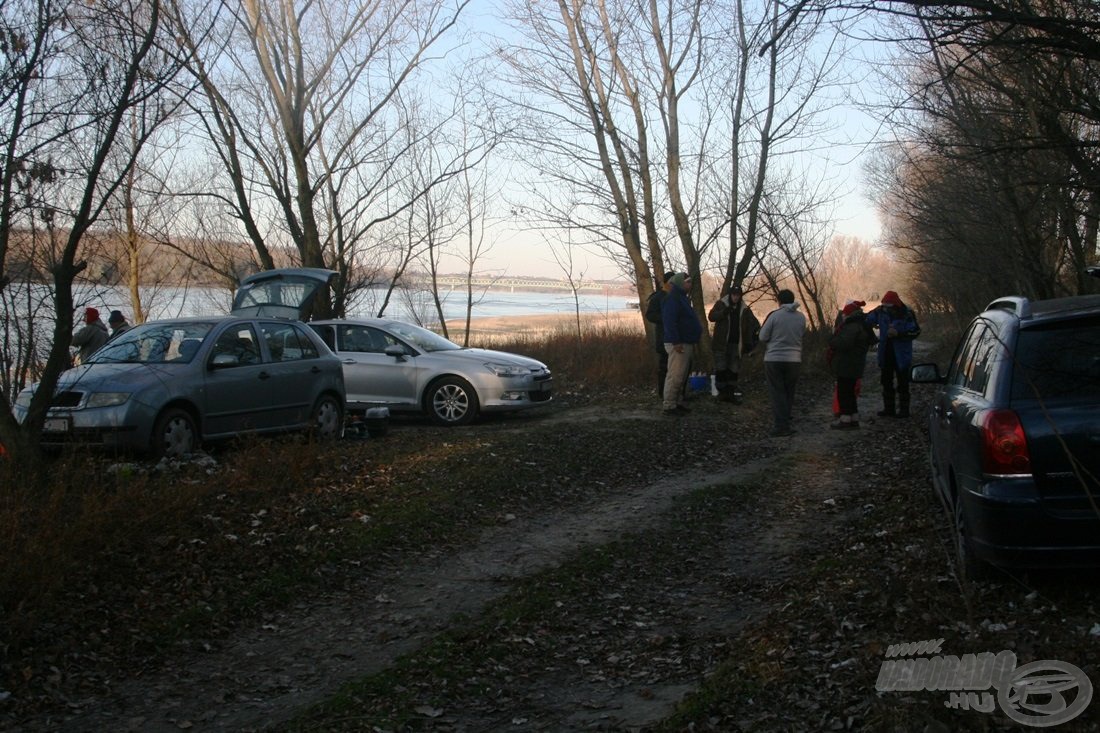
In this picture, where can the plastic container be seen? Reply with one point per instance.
(698, 382)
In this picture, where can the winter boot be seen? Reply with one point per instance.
(844, 422)
(903, 406)
(887, 407)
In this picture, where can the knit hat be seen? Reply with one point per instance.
(852, 306)
(736, 290)
(891, 298)
(91, 315)
(678, 279)
(116, 317)
(669, 275)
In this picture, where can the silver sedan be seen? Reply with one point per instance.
(406, 367)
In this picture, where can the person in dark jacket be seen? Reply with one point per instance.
(89, 337)
(682, 331)
(118, 323)
(653, 315)
(847, 358)
(897, 327)
(736, 333)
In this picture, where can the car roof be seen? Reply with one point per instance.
(361, 322)
(1045, 310)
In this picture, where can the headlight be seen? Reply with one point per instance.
(507, 370)
(106, 399)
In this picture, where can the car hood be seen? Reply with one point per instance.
(481, 356)
(119, 377)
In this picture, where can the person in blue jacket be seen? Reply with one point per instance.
(682, 331)
(897, 327)
(653, 315)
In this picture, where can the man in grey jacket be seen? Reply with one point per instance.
(781, 335)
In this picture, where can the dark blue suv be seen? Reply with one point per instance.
(1015, 434)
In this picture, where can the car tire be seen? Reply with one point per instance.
(451, 401)
(326, 421)
(175, 434)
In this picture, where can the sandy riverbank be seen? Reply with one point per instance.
(495, 328)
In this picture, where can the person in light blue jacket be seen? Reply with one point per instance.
(897, 327)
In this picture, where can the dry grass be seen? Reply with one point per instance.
(602, 355)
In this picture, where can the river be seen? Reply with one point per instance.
(416, 306)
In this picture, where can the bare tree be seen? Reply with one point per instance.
(563, 254)
(992, 187)
(317, 144)
(67, 106)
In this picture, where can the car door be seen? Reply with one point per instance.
(943, 424)
(237, 396)
(370, 374)
(968, 403)
(293, 369)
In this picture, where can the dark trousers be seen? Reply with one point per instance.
(662, 370)
(890, 372)
(782, 377)
(846, 395)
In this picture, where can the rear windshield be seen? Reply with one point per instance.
(1058, 361)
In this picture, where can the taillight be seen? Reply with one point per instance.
(1004, 447)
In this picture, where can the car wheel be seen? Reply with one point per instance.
(970, 567)
(327, 421)
(451, 401)
(176, 434)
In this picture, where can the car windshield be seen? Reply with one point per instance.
(421, 338)
(155, 343)
(1058, 361)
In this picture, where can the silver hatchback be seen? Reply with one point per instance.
(406, 367)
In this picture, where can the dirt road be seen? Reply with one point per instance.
(782, 566)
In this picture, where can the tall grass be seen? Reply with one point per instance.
(601, 355)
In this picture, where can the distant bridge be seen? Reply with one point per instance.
(525, 283)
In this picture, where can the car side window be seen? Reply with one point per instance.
(327, 334)
(959, 373)
(984, 358)
(240, 342)
(364, 339)
(286, 342)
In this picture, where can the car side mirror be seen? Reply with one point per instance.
(395, 350)
(926, 374)
(224, 361)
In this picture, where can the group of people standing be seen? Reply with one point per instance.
(737, 332)
(93, 334)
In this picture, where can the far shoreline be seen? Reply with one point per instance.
(494, 328)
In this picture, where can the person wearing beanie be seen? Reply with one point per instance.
(897, 327)
(89, 337)
(653, 315)
(847, 357)
(118, 323)
(736, 333)
(682, 331)
(781, 335)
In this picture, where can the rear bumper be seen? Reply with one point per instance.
(1011, 526)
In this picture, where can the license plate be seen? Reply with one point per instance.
(56, 425)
